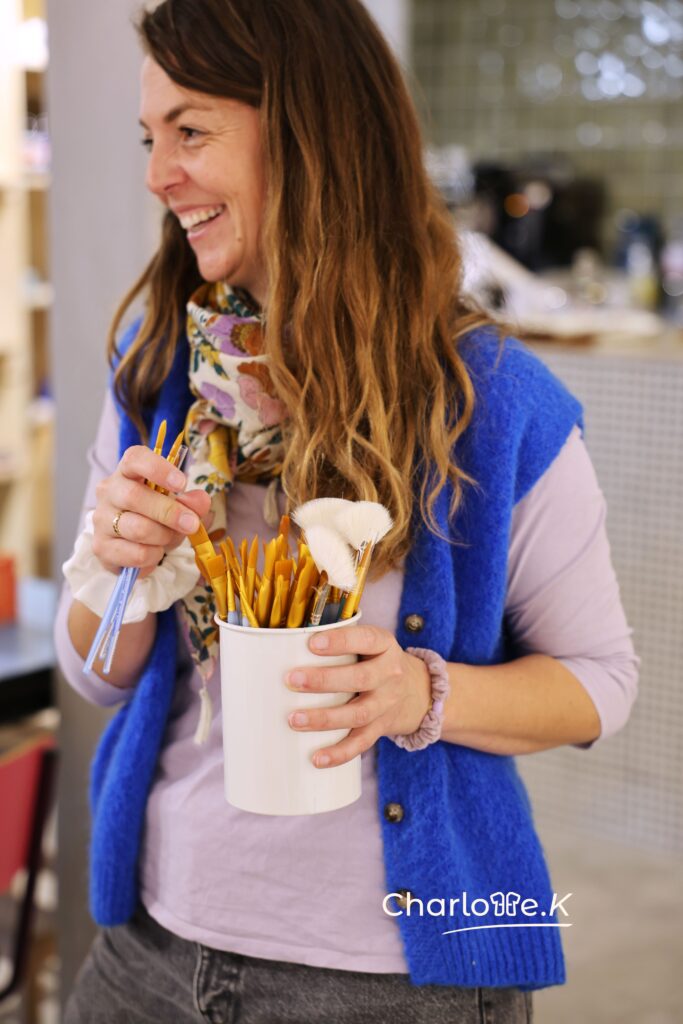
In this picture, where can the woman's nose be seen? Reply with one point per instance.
(164, 170)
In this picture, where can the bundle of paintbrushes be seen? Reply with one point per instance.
(106, 638)
(318, 579)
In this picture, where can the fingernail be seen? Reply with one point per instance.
(299, 718)
(188, 522)
(176, 480)
(296, 678)
(320, 760)
(320, 642)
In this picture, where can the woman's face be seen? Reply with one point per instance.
(205, 165)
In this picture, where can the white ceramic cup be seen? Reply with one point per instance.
(268, 764)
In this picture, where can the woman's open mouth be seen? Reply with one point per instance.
(198, 222)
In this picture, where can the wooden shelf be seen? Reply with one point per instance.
(26, 297)
(28, 181)
(36, 181)
(10, 470)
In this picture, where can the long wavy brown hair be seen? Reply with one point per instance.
(364, 311)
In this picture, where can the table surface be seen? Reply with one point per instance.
(27, 646)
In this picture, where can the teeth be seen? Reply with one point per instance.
(190, 220)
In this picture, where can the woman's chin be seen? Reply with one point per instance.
(215, 270)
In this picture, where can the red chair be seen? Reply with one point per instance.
(26, 777)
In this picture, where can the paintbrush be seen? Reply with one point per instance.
(283, 572)
(233, 617)
(251, 570)
(332, 556)
(363, 525)
(265, 595)
(306, 578)
(215, 566)
(248, 617)
(318, 512)
(106, 637)
(130, 574)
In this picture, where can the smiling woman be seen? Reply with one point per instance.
(206, 167)
(304, 328)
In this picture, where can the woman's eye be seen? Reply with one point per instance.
(190, 134)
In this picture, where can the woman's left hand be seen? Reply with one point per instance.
(392, 688)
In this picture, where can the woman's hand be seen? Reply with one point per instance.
(150, 523)
(393, 691)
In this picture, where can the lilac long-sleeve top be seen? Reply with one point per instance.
(309, 889)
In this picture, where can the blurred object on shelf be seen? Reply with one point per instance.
(41, 415)
(30, 44)
(27, 655)
(635, 227)
(36, 145)
(39, 294)
(548, 307)
(587, 275)
(642, 275)
(671, 268)
(450, 170)
(8, 590)
(538, 211)
(637, 249)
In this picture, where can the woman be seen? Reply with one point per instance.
(313, 273)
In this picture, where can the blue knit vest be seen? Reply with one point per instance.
(467, 823)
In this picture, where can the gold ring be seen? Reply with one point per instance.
(115, 525)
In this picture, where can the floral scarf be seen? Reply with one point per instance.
(233, 429)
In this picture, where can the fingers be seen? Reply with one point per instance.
(134, 496)
(377, 646)
(149, 522)
(366, 640)
(140, 463)
(118, 554)
(198, 501)
(353, 745)
(361, 715)
(133, 527)
(355, 714)
(374, 680)
(334, 679)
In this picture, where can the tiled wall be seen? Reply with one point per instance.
(629, 787)
(600, 80)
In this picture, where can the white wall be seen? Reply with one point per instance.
(392, 17)
(99, 244)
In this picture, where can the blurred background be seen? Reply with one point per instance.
(555, 132)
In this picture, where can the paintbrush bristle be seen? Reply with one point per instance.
(363, 522)
(332, 555)
(318, 512)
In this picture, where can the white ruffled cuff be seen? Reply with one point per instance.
(92, 585)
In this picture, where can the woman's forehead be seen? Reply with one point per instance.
(164, 99)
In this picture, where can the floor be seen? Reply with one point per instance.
(624, 950)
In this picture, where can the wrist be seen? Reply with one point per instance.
(423, 692)
(430, 725)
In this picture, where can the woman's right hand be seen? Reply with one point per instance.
(150, 523)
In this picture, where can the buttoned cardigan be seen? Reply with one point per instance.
(465, 824)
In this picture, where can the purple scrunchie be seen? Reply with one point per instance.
(429, 730)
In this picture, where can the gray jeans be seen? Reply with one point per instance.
(139, 973)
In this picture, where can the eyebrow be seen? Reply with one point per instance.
(175, 112)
